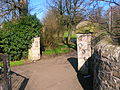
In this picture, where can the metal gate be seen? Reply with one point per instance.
(5, 79)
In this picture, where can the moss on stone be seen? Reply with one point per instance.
(86, 27)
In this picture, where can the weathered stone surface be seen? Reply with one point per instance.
(34, 52)
(84, 51)
(106, 67)
(115, 73)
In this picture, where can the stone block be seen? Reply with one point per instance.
(116, 74)
(34, 51)
(84, 51)
(107, 67)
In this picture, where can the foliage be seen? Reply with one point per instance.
(49, 40)
(69, 13)
(60, 49)
(97, 37)
(86, 27)
(72, 36)
(13, 9)
(15, 36)
(17, 63)
(14, 63)
(114, 24)
(52, 31)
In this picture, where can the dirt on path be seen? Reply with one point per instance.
(52, 73)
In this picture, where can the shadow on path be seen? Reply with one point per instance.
(19, 82)
(85, 81)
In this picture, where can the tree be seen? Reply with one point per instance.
(70, 13)
(114, 21)
(111, 18)
(13, 9)
(15, 37)
(23, 7)
(59, 7)
(52, 29)
(111, 2)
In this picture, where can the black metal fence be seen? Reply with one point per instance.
(5, 78)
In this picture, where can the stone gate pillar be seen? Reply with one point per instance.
(84, 51)
(34, 51)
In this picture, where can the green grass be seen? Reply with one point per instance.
(15, 63)
(59, 50)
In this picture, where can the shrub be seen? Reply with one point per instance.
(15, 36)
(86, 27)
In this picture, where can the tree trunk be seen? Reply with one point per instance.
(69, 36)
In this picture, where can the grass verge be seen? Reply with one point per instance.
(14, 63)
(17, 63)
(59, 50)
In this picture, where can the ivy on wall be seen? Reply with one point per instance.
(16, 36)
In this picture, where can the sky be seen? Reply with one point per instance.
(39, 7)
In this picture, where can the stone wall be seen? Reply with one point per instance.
(106, 67)
(84, 51)
(34, 51)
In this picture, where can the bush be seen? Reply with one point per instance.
(15, 36)
(87, 27)
(49, 40)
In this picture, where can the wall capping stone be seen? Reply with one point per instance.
(108, 50)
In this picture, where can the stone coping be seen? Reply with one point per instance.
(108, 50)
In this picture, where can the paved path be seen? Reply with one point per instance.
(51, 73)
